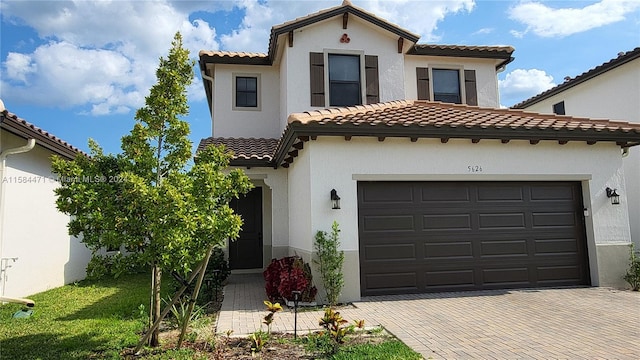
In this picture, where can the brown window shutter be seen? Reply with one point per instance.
(470, 88)
(317, 78)
(422, 74)
(372, 79)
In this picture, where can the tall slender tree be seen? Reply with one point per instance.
(147, 200)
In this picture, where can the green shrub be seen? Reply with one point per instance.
(329, 263)
(633, 273)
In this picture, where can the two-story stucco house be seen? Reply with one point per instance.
(610, 90)
(439, 188)
(36, 251)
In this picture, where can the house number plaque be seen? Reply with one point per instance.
(474, 168)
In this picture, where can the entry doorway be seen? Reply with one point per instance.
(246, 251)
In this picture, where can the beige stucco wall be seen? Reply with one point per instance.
(612, 95)
(262, 122)
(33, 230)
(340, 164)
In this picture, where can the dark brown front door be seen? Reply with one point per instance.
(246, 251)
(449, 236)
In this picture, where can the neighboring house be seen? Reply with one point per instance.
(37, 253)
(612, 91)
(439, 189)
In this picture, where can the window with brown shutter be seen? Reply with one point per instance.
(372, 79)
(422, 74)
(470, 89)
(317, 78)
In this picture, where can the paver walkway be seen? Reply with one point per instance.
(568, 323)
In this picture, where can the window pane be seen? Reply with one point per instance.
(246, 91)
(344, 94)
(446, 85)
(344, 68)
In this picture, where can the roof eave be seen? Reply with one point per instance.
(41, 139)
(297, 130)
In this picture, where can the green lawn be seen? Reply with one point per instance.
(77, 321)
(99, 319)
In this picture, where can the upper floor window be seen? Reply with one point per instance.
(558, 108)
(447, 85)
(346, 84)
(344, 80)
(246, 94)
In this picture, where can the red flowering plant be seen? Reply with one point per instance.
(283, 276)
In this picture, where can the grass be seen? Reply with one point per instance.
(101, 319)
(78, 321)
(388, 350)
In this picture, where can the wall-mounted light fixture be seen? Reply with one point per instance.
(613, 195)
(335, 199)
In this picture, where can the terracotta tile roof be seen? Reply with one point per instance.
(425, 119)
(20, 127)
(230, 57)
(439, 115)
(622, 59)
(256, 151)
(487, 52)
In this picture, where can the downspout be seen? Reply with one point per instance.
(31, 143)
(210, 79)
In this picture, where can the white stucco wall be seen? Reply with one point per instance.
(341, 164)
(33, 229)
(262, 123)
(325, 37)
(486, 77)
(612, 95)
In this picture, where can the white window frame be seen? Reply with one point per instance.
(258, 94)
(363, 85)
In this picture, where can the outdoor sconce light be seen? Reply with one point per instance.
(335, 199)
(613, 195)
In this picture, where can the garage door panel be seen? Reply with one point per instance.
(504, 248)
(399, 281)
(446, 222)
(553, 193)
(500, 193)
(556, 246)
(470, 235)
(464, 278)
(512, 276)
(390, 252)
(387, 193)
(501, 220)
(555, 219)
(380, 223)
(448, 250)
(444, 193)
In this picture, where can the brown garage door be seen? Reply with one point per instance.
(450, 236)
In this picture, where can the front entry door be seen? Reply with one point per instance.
(246, 251)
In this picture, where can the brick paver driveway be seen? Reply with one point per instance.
(569, 323)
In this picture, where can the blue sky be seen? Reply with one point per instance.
(80, 69)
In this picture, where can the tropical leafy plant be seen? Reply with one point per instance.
(283, 276)
(329, 261)
(272, 308)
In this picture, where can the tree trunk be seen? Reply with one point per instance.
(157, 274)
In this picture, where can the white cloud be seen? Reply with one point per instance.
(19, 66)
(521, 84)
(98, 54)
(545, 21)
